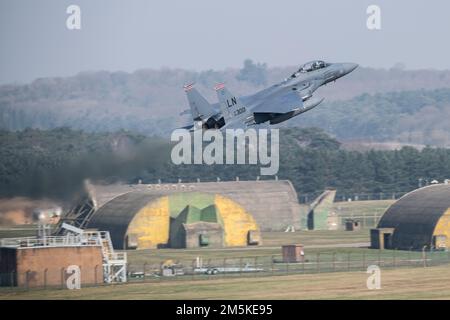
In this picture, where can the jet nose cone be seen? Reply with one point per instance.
(349, 67)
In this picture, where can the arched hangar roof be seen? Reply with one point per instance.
(116, 214)
(414, 216)
(145, 217)
(273, 203)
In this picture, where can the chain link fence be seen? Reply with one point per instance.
(208, 269)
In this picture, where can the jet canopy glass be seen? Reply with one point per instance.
(310, 66)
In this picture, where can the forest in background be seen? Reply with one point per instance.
(114, 126)
(54, 163)
(373, 105)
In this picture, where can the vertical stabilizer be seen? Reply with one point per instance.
(230, 105)
(200, 107)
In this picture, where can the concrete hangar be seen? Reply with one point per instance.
(419, 220)
(187, 215)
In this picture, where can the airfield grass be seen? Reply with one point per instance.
(367, 212)
(366, 207)
(317, 260)
(325, 251)
(315, 237)
(272, 242)
(405, 283)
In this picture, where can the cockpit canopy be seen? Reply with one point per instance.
(310, 66)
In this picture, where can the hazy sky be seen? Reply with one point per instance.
(211, 34)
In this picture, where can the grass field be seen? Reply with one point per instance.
(315, 237)
(406, 283)
(317, 260)
(371, 207)
(367, 212)
(272, 242)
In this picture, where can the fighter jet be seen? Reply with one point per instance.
(273, 105)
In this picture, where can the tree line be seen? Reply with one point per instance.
(54, 163)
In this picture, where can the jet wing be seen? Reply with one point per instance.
(279, 103)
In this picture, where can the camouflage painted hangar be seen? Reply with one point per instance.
(418, 220)
(213, 214)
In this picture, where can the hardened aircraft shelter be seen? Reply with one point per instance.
(419, 220)
(187, 215)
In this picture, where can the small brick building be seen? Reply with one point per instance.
(41, 266)
(293, 253)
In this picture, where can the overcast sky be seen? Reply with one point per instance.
(211, 34)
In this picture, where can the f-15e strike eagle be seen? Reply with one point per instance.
(272, 105)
